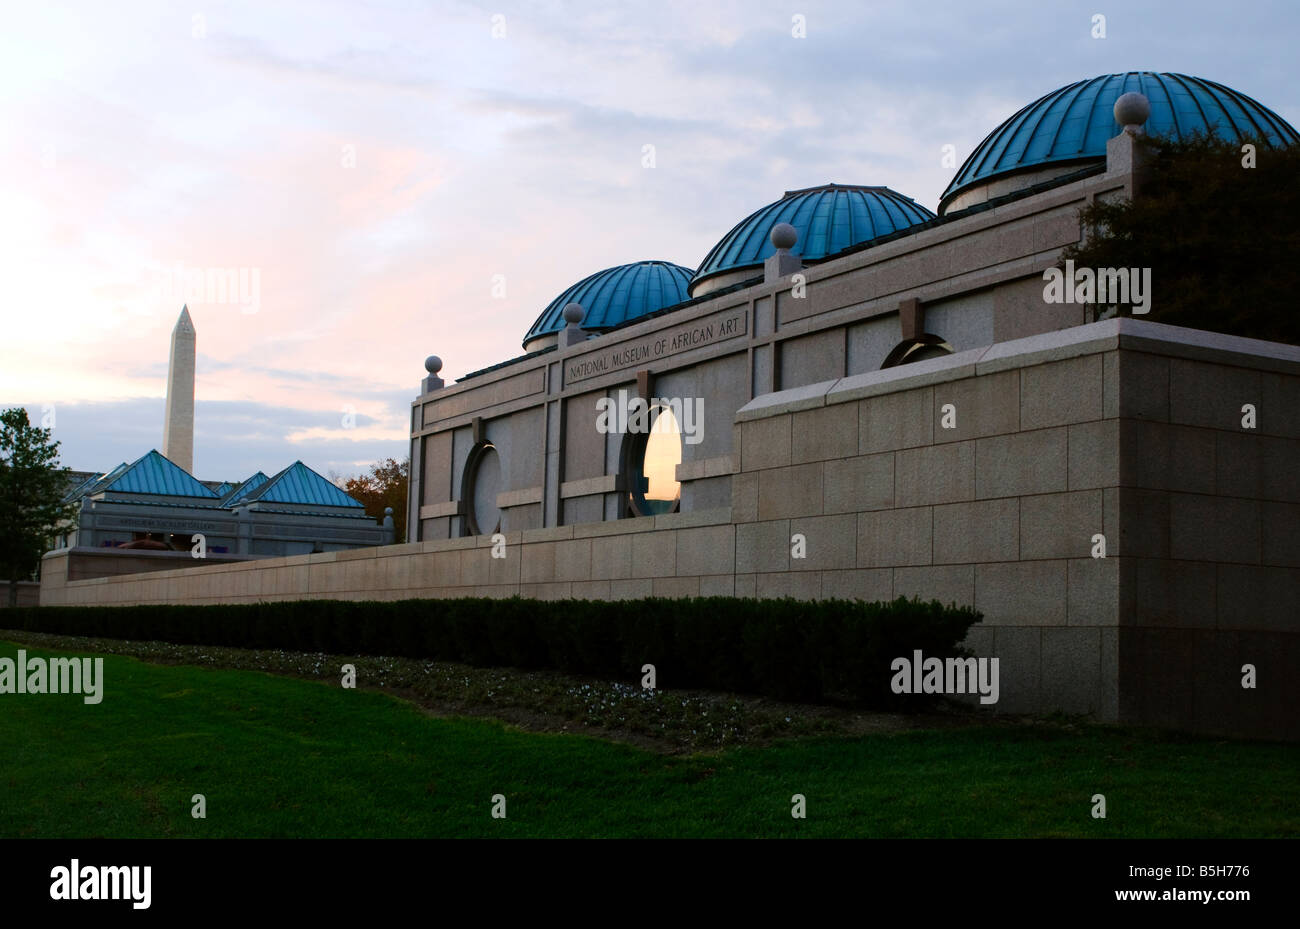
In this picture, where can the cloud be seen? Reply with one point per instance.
(231, 441)
(381, 169)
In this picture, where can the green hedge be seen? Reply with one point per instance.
(828, 650)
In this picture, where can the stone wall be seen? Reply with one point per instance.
(83, 562)
(989, 477)
(1210, 535)
(29, 593)
(980, 478)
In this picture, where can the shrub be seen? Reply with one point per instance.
(836, 651)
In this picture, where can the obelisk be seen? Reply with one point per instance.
(178, 426)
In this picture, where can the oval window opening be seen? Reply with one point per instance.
(655, 488)
(484, 473)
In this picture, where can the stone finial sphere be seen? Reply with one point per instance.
(433, 364)
(573, 313)
(1132, 109)
(784, 235)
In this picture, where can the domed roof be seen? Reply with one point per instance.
(615, 295)
(829, 219)
(1075, 122)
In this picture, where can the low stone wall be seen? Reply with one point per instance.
(667, 556)
(29, 593)
(83, 562)
(992, 477)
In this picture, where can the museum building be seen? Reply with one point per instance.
(853, 396)
(152, 499)
(890, 385)
(881, 282)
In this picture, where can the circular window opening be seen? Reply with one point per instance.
(652, 461)
(482, 484)
(927, 346)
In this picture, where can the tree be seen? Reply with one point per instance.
(384, 486)
(32, 487)
(1219, 235)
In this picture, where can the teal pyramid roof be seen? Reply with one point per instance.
(245, 489)
(299, 484)
(154, 474)
(105, 479)
(84, 487)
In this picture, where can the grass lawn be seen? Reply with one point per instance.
(277, 756)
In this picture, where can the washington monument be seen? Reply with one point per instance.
(178, 426)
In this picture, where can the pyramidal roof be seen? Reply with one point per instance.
(153, 473)
(299, 484)
(237, 494)
(104, 480)
(81, 489)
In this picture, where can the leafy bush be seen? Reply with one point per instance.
(835, 651)
(1220, 239)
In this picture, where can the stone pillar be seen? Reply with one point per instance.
(1127, 153)
(573, 333)
(777, 266)
(432, 364)
(911, 319)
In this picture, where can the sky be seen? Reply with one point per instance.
(373, 182)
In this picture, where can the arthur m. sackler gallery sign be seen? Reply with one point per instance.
(656, 345)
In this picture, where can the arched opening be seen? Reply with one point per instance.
(649, 465)
(479, 489)
(910, 350)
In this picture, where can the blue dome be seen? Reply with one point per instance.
(1075, 122)
(615, 295)
(829, 219)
